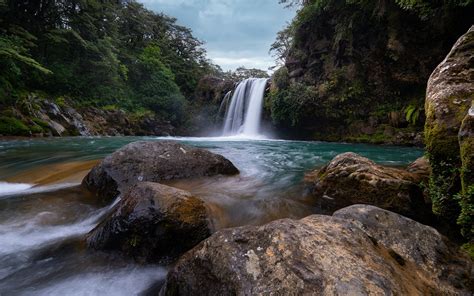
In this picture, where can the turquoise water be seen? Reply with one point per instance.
(40, 233)
(268, 155)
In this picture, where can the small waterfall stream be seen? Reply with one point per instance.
(244, 113)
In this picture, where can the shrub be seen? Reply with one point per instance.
(13, 127)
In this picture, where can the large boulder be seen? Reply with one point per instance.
(324, 255)
(151, 223)
(449, 142)
(153, 161)
(408, 240)
(352, 179)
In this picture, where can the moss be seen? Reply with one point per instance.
(440, 143)
(13, 127)
(467, 159)
(36, 129)
(110, 108)
(469, 248)
(451, 183)
(466, 217)
(60, 101)
(40, 122)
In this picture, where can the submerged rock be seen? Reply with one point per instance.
(322, 255)
(153, 161)
(152, 222)
(352, 179)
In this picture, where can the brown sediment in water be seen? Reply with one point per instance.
(72, 172)
(233, 201)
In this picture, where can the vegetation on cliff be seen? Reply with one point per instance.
(449, 136)
(97, 53)
(357, 70)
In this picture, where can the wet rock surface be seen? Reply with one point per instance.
(324, 255)
(153, 161)
(152, 223)
(352, 179)
(449, 135)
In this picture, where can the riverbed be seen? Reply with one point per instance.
(44, 213)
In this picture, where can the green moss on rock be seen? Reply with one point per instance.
(10, 126)
(449, 136)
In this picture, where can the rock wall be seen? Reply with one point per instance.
(449, 135)
(357, 70)
(205, 113)
(39, 117)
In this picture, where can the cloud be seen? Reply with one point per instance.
(236, 32)
(232, 60)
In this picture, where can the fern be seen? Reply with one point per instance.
(412, 114)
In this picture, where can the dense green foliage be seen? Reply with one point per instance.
(347, 61)
(357, 70)
(98, 52)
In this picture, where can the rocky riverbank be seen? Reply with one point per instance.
(353, 247)
(40, 117)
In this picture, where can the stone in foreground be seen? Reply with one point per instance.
(352, 179)
(152, 223)
(322, 255)
(153, 161)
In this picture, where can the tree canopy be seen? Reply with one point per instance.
(98, 52)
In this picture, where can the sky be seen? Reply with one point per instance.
(235, 32)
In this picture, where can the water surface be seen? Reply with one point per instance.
(44, 214)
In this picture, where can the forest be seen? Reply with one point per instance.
(112, 54)
(132, 164)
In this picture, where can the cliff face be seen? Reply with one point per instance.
(449, 135)
(358, 71)
(205, 114)
(39, 116)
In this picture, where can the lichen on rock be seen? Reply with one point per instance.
(449, 134)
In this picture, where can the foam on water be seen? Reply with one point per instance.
(235, 138)
(31, 234)
(14, 189)
(11, 188)
(125, 281)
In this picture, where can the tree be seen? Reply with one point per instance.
(281, 47)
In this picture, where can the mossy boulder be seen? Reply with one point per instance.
(152, 223)
(449, 133)
(352, 179)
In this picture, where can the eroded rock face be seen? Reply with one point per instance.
(449, 133)
(154, 162)
(323, 255)
(151, 223)
(352, 179)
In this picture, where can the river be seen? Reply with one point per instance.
(44, 213)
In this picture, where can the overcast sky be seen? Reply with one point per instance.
(236, 32)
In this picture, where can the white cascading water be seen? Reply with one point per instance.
(244, 113)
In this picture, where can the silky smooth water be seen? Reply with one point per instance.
(42, 226)
(244, 112)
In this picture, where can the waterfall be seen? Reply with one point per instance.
(244, 113)
(225, 103)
